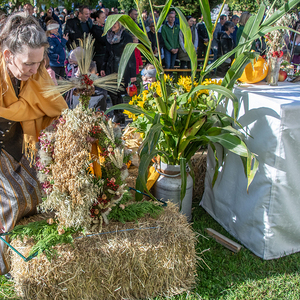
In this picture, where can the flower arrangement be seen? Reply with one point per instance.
(82, 167)
(277, 39)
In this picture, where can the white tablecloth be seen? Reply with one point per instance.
(267, 219)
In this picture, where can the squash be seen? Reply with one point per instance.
(255, 73)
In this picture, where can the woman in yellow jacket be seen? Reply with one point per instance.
(24, 112)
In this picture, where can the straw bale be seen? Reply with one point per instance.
(198, 164)
(136, 264)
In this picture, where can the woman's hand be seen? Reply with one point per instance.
(102, 73)
(133, 79)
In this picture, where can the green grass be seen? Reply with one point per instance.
(231, 276)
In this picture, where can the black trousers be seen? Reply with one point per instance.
(116, 99)
(59, 72)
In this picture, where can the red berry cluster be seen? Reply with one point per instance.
(106, 152)
(92, 213)
(112, 185)
(96, 130)
(277, 54)
(102, 201)
(87, 80)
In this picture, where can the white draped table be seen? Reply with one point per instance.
(267, 219)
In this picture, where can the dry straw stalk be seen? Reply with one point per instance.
(139, 264)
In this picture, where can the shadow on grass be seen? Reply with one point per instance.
(242, 275)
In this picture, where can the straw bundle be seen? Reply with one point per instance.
(198, 164)
(136, 264)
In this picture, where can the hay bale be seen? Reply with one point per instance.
(137, 264)
(198, 164)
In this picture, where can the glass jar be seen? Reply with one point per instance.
(274, 67)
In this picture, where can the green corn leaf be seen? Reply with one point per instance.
(173, 111)
(205, 10)
(183, 175)
(236, 70)
(163, 14)
(130, 108)
(129, 24)
(188, 43)
(141, 180)
(127, 52)
(230, 142)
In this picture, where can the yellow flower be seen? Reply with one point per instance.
(140, 104)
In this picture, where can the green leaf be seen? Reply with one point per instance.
(188, 42)
(152, 59)
(173, 111)
(217, 164)
(127, 52)
(183, 175)
(205, 10)
(141, 180)
(163, 14)
(130, 25)
(131, 108)
(230, 142)
(190, 134)
(236, 70)
(251, 28)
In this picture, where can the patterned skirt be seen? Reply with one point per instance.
(19, 196)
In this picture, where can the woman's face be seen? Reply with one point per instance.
(191, 22)
(116, 27)
(26, 63)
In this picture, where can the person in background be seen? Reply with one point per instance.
(216, 36)
(100, 5)
(226, 45)
(145, 19)
(148, 75)
(133, 14)
(76, 27)
(202, 39)
(24, 112)
(242, 22)
(170, 35)
(116, 40)
(28, 8)
(56, 53)
(100, 41)
(235, 19)
(152, 37)
(48, 16)
(185, 62)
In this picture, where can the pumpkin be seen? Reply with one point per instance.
(255, 73)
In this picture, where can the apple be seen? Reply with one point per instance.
(282, 75)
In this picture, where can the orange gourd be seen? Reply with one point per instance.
(255, 73)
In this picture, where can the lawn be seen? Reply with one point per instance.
(231, 276)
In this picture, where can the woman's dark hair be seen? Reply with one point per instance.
(228, 25)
